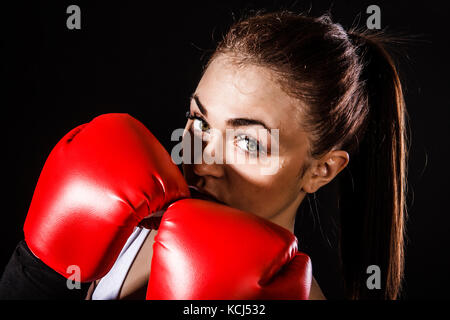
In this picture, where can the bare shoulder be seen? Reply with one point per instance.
(135, 284)
(316, 293)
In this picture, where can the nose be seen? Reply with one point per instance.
(211, 161)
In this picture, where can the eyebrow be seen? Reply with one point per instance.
(199, 104)
(235, 122)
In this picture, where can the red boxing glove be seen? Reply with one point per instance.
(98, 183)
(208, 251)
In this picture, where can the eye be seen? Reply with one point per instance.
(249, 145)
(198, 123)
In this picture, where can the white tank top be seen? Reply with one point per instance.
(109, 286)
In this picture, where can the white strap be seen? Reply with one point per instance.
(109, 286)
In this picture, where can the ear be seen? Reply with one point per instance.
(324, 170)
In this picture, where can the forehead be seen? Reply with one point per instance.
(246, 91)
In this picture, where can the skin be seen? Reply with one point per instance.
(227, 91)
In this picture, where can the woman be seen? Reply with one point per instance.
(336, 99)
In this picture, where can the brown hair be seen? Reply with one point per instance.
(354, 102)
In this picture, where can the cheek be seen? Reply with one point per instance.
(259, 170)
(261, 194)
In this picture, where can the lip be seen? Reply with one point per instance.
(198, 193)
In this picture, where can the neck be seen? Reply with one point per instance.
(286, 217)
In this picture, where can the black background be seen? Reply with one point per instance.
(146, 60)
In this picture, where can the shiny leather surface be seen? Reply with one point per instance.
(205, 250)
(100, 181)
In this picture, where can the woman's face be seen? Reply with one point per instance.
(233, 112)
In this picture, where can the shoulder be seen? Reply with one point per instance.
(315, 293)
(135, 283)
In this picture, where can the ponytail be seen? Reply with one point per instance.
(373, 186)
(352, 100)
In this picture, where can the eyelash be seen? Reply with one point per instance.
(240, 137)
(196, 117)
